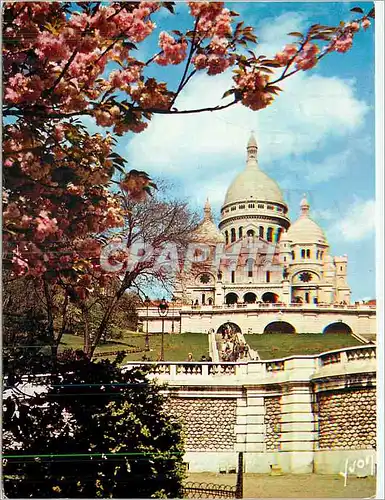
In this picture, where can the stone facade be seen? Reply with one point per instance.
(273, 423)
(208, 423)
(347, 419)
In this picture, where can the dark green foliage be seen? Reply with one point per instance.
(105, 432)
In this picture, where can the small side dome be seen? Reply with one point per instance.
(305, 230)
(207, 231)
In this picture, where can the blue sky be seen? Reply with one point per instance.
(318, 136)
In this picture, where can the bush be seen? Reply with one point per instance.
(97, 432)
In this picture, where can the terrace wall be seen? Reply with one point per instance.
(304, 414)
(254, 318)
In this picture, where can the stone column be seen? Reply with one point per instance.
(298, 428)
(219, 294)
(286, 292)
(250, 430)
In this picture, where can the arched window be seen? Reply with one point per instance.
(303, 253)
(227, 237)
(269, 235)
(250, 233)
(267, 276)
(203, 299)
(232, 276)
(240, 232)
(210, 301)
(233, 235)
(317, 255)
(293, 255)
(261, 232)
(307, 297)
(250, 266)
(308, 253)
(278, 234)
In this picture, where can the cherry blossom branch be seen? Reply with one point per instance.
(192, 49)
(64, 71)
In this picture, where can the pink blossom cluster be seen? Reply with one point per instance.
(307, 57)
(173, 52)
(123, 78)
(343, 43)
(288, 53)
(213, 18)
(253, 86)
(52, 47)
(45, 226)
(216, 59)
(21, 88)
(304, 58)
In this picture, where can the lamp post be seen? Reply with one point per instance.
(162, 310)
(147, 302)
(173, 300)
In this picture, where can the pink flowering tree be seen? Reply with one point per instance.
(64, 61)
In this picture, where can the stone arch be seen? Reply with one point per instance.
(250, 298)
(231, 298)
(229, 325)
(338, 327)
(270, 298)
(279, 327)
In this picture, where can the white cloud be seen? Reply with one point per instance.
(331, 166)
(358, 223)
(273, 33)
(310, 109)
(205, 151)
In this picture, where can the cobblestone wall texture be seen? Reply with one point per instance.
(347, 420)
(208, 423)
(273, 423)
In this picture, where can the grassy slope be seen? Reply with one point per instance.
(176, 347)
(281, 345)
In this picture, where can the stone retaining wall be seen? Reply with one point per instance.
(347, 419)
(208, 423)
(273, 423)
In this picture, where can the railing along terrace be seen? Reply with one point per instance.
(194, 308)
(178, 370)
(347, 355)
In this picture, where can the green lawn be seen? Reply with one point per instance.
(282, 345)
(176, 346)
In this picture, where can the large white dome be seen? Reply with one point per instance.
(305, 230)
(252, 183)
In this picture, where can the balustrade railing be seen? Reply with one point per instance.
(361, 354)
(182, 370)
(153, 313)
(275, 366)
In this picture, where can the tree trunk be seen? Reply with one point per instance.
(51, 330)
(86, 341)
(107, 315)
